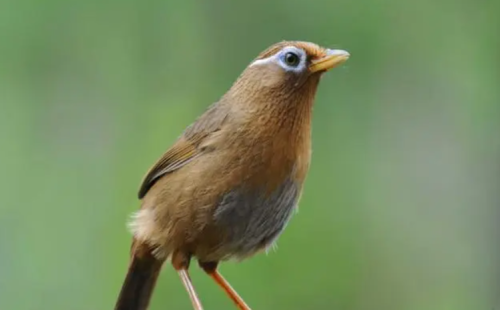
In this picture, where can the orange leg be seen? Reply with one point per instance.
(211, 270)
(186, 280)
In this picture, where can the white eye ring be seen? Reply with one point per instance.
(282, 59)
(279, 59)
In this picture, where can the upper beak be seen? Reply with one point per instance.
(332, 59)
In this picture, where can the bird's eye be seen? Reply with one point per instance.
(292, 59)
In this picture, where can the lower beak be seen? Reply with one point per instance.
(332, 59)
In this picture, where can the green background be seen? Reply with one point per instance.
(400, 209)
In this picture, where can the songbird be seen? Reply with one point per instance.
(230, 183)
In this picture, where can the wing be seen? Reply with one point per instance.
(187, 148)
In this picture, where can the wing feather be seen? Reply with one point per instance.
(187, 148)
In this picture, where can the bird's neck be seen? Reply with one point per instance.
(275, 126)
(284, 112)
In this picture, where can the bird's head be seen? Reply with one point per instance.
(287, 72)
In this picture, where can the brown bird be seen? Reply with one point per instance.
(228, 186)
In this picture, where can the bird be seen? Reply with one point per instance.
(227, 187)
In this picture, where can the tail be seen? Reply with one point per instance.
(140, 281)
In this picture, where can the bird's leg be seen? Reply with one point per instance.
(186, 280)
(211, 269)
(181, 265)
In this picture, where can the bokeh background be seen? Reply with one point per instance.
(400, 209)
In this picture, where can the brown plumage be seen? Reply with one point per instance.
(229, 184)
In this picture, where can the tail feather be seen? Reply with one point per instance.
(140, 281)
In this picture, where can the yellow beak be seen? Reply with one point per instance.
(331, 60)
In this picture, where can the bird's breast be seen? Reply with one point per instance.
(264, 181)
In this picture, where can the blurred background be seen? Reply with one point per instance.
(401, 206)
